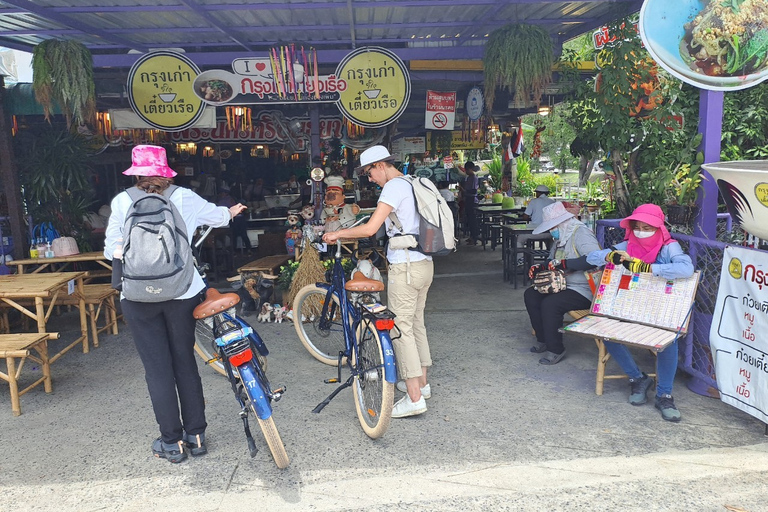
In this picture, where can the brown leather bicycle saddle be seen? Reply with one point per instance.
(360, 283)
(215, 302)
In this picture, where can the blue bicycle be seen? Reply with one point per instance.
(339, 332)
(229, 344)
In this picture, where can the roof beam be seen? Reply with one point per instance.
(351, 13)
(197, 9)
(614, 14)
(71, 23)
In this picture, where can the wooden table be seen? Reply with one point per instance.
(45, 287)
(62, 262)
(269, 264)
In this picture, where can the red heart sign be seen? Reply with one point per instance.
(260, 66)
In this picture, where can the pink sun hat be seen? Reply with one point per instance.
(649, 213)
(149, 161)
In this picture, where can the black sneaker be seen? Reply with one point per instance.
(195, 443)
(638, 390)
(172, 452)
(666, 404)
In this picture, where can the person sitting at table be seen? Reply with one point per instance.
(533, 214)
(648, 247)
(164, 332)
(573, 241)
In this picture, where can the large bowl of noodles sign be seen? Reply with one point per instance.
(720, 45)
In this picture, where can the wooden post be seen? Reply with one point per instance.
(9, 177)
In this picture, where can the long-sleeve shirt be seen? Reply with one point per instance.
(195, 211)
(671, 262)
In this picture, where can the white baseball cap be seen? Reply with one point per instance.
(372, 155)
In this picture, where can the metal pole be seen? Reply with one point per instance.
(711, 126)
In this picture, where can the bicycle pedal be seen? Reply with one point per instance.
(331, 381)
(277, 394)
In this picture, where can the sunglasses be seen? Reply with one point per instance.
(367, 170)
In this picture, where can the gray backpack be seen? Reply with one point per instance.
(157, 259)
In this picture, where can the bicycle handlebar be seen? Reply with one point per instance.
(357, 223)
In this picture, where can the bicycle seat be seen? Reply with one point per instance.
(360, 283)
(215, 302)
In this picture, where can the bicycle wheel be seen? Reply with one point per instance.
(204, 345)
(374, 396)
(324, 342)
(276, 446)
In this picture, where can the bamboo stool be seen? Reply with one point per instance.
(19, 346)
(98, 297)
(602, 357)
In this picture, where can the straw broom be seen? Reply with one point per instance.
(309, 271)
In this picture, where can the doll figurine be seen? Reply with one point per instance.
(336, 214)
(293, 234)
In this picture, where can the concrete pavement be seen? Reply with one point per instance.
(502, 432)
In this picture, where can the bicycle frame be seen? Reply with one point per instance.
(358, 315)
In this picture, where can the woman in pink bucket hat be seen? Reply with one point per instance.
(648, 247)
(573, 240)
(164, 332)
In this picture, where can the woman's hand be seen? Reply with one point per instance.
(331, 237)
(236, 210)
(616, 257)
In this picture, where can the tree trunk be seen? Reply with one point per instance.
(10, 180)
(623, 206)
(631, 171)
(585, 170)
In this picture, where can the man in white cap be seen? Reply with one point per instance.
(533, 214)
(573, 242)
(408, 280)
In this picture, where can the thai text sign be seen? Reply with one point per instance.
(738, 337)
(459, 141)
(160, 89)
(441, 110)
(268, 127)
(409, 145)
(378, 87)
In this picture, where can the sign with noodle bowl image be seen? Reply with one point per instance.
(711, 44)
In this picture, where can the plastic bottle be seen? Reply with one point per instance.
(33, 249)
(49, 251)
(40, 248)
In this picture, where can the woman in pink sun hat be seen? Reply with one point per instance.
(648, 247)
(164, 332)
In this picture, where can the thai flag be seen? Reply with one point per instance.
(515, 147)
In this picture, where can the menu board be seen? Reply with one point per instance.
(645, 298)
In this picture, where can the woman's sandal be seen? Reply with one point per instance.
(552, 358)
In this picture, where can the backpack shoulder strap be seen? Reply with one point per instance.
(134, 193)
(393, 216)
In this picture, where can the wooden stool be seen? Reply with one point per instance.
(13, 346)
(602, 357)
(97, 297)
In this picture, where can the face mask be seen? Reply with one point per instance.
(643, 234)
(555, 233)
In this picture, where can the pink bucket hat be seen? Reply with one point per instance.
(149, 161)
(651, 214)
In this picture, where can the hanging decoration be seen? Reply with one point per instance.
(291, 69)
(208, 152)
(540, 127)
(14, 126)
(239, 118)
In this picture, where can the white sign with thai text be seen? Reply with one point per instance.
(738, 337)
(441, 110)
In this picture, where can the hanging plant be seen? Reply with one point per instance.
(518, 58)
(62, 74)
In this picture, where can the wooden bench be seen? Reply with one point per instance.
(602, 357)
(269, 264)
(98, 298)
(20, 346)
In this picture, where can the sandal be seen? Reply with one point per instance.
(551, 358)
(539, 348)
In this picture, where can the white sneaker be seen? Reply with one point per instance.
(426, 391)
(404, 407)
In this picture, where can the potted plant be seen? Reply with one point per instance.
(518, 58)
(593, 195)
(524, 182)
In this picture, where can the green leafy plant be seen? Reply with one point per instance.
(495, 171)
(285, 276)
(518, 58)
(62, 74)
(594, 193)
(524, 181)
(54, 170)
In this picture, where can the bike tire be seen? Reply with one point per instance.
(274, 442)
(204, 347)
(323, 345)
(374, 396)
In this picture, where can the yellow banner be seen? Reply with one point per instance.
(161, 93)
(457, 142)
(378, 87)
